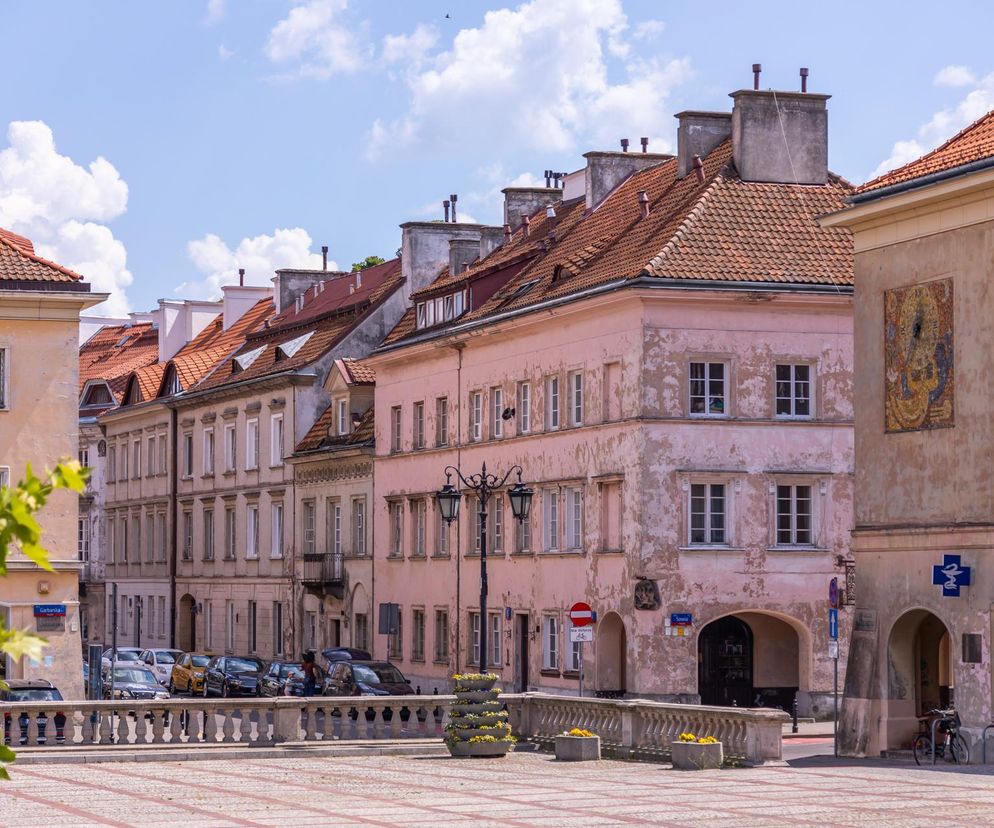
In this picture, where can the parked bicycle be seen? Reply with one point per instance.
(950, 744)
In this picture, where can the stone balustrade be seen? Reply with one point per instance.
(633, 729)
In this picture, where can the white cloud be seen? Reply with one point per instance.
(954, 76)
(260, 255)
(63, 207)
(648, 29)
(314, 40)
(411, 49)
(224, 53)
(216, 10)
(941, 126)
(536, 77)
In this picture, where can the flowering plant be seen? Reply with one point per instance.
(576, 731)
(475, 677)
(687, 737)
(707, 740)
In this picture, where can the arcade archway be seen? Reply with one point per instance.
(611, 678)
(186, 624)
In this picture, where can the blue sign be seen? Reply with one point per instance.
(951, 575)
(49, 610)
(833, 623)
(681, 619)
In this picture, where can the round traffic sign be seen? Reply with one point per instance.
(580, 614)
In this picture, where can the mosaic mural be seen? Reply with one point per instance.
(918, 356)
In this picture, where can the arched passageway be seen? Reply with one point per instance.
(612, 654)
(186, 624)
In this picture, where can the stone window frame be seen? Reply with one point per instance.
(793, 363)
(727, 395)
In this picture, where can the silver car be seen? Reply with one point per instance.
(161, 663)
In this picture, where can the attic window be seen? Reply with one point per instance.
(243, 361)
(133, 394)
(123, 339)
(288, 349)
(558, 272)
(520, 291)
(172, 385)
(97, 395)
(443, 309)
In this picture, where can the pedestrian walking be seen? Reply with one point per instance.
(310, 673)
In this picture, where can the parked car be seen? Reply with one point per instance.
(132, 680)
(33, 690)
(295, 682)
(161, 663)
(188, 672)
(273, 681)
(333, 654)
(232, 676)
(123, 654)
(366, 678)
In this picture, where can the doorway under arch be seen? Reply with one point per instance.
(750, 659)
(611, 652)
(186, 624)
(919, 673)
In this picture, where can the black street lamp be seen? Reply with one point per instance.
(484, 485)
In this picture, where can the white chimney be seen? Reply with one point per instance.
(238, 300)
(179, 321)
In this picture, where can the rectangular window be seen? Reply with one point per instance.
(550, 519)
(310, 630)
(149, 538)
(124, 539)
(522, 536)
(136, 523)
(229, 534)
(151, 470)
(395, 428)
(442, 421)
(793, 391)
(395, 641)
(333, 517)
(83, 455)
(208, 534)
(359, 527)
(187, 536)
(420, 509)
(229, 626)
(473, 509)
(574, 519)
(111, 539)
(442, 636)
(163, 466)
(253, 617)
(707, 389)
(276, 531)
(208, 451)
(209, 625)
(136, 464)
(124, 461)
(552, 403)
(576, 398)
(794, 516)
(230, 447)
(476, 416)
(573, 656)
(550, 643)
(162, 616)
(342, 415)
(188, 454)
(707, 514)
(111, 463)
(493, 641)
(310, 521)
(277, 628)
(474, 626)
(417, 635)
(251, 444)
(4, 394)
(396, 529)
(495, 524)
(276, 440)
(361, 639)
(419, 425)
(496, 410)
(524, 411)
(252, 531)
(160, 537)
(151, 615)
(83, 539)
(442, 529)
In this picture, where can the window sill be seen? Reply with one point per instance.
(417, 660)
(276, 557)
(419, 557)
(571, 674)
(441, 661)
(711, 547)
(275, 466)
(524, 553)
(441, 556)
(395, 557)
(207, 476)
(697, 416)
(551, 673)
(803, 548)
(229, 473)
(562, 553)
(605, 551)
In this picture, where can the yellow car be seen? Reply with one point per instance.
(188, 673)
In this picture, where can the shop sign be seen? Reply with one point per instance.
(951, 575)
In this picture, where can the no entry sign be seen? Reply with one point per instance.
(580, 614)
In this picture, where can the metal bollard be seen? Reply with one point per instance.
(793, 727)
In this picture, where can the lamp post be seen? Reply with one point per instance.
(484, 485)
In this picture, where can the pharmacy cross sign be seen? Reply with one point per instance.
(951, 575)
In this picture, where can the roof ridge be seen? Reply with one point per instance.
(688, 222)
(34, 257)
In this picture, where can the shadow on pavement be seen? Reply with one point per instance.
(891, 762)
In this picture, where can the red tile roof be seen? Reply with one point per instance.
(19, 262)
(358, 372)
(114, 352)
(321, 435)
(974, 143)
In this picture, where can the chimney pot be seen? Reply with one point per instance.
(644, 203)
(324, 257)
(756, 69)
(358, 279)
(445, 207)
(804, 79)
(550, 212)
(699, 168)
(526, 223)
(241, 276)
(351, 289)
(507, 233)
(645, 144)
(452, 199)
(624, 145)
(548, 179)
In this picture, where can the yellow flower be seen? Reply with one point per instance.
(576, 731)
(687, 737)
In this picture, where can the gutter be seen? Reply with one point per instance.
(922, 181)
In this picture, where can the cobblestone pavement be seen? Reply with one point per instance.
(520, 790)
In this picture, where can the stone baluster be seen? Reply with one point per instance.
(141, 725)
(123, 728)
(159, 717)
(310, 728)
(228, 726)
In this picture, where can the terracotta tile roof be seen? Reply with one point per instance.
(19, 262)
(723, 228)
(149, 379)
(114, 352)
(973, 143)
(358, 372)
(321, 434)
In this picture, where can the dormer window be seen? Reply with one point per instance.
(342, 415)
(243, 361)
(172, 385)
(443, 309)
(97, 395)
(288, 349)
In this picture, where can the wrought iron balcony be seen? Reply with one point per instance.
(324, 572)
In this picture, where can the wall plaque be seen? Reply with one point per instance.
(646, 595)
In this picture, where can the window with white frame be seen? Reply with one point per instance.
(252, 531)
(417, 635)
(707, 389)
(442, 636)
(276, 530)
(493, 642)
(208, 534)
(124, 538)
(419, 509)
(794, 515)
(550, 519)
(793, 391)
(188, 454)
(4, 381)
(550, 642)
(576, 398)
(276, 440)
(187, 536)
(442, 421)
(474, 626)
(160, 537)
(574, 518)
(208, 451)
(476, 416)
(342, 415)
(523, 535)
(473, 513)
(253, 618)
(359, 526)
(229, 534)
(252, 444)
(310, 527)
(83, 455)
(230, 447)
(163, 467)
(708, 513)
(310, 630)
(524, 408)
(162, 616)
(442, 529)
(149, 538)
(573, 655)
(277, 628)
(111, 464)
(552, 402)
(395, 429)
(396, 529)
(361, 635)
(124, 462)
(83, 536)
(136, 465)
(333, 517)
(496, 412)
(150, 470)
(418, 437)
(495, 524)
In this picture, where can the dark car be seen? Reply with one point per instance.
(132, 680)
(366, 678)
(33, 690)
(273, 681)
(333, 654)
(232, 676)
(295, 682)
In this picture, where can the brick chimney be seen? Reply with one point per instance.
(425, 249)
(289, 284)
(761, 120)
(698, 134)
(527, 200)
(606, 170)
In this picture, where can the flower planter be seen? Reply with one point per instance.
(473, 684)
(479, 695)
(477, 706)
(468, 749)
(578, 748)
(479, 719)
(695, 756)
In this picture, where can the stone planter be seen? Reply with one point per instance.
(578, 748)
(473, 684)
(469, 749)
(477, 697)
(477, 707)
(695, 756)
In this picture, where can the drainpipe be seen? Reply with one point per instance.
(173, 417)
(459, 404)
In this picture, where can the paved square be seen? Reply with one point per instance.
(520, 790)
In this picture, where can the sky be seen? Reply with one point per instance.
(157, 146)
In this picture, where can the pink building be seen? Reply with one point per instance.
(666, 350)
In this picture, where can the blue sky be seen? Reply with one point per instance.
(251, 132)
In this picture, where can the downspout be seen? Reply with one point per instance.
(371, 525)
(175, 533)
(459, 348)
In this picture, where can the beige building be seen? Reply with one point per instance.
(924, 500)
(40, 304)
